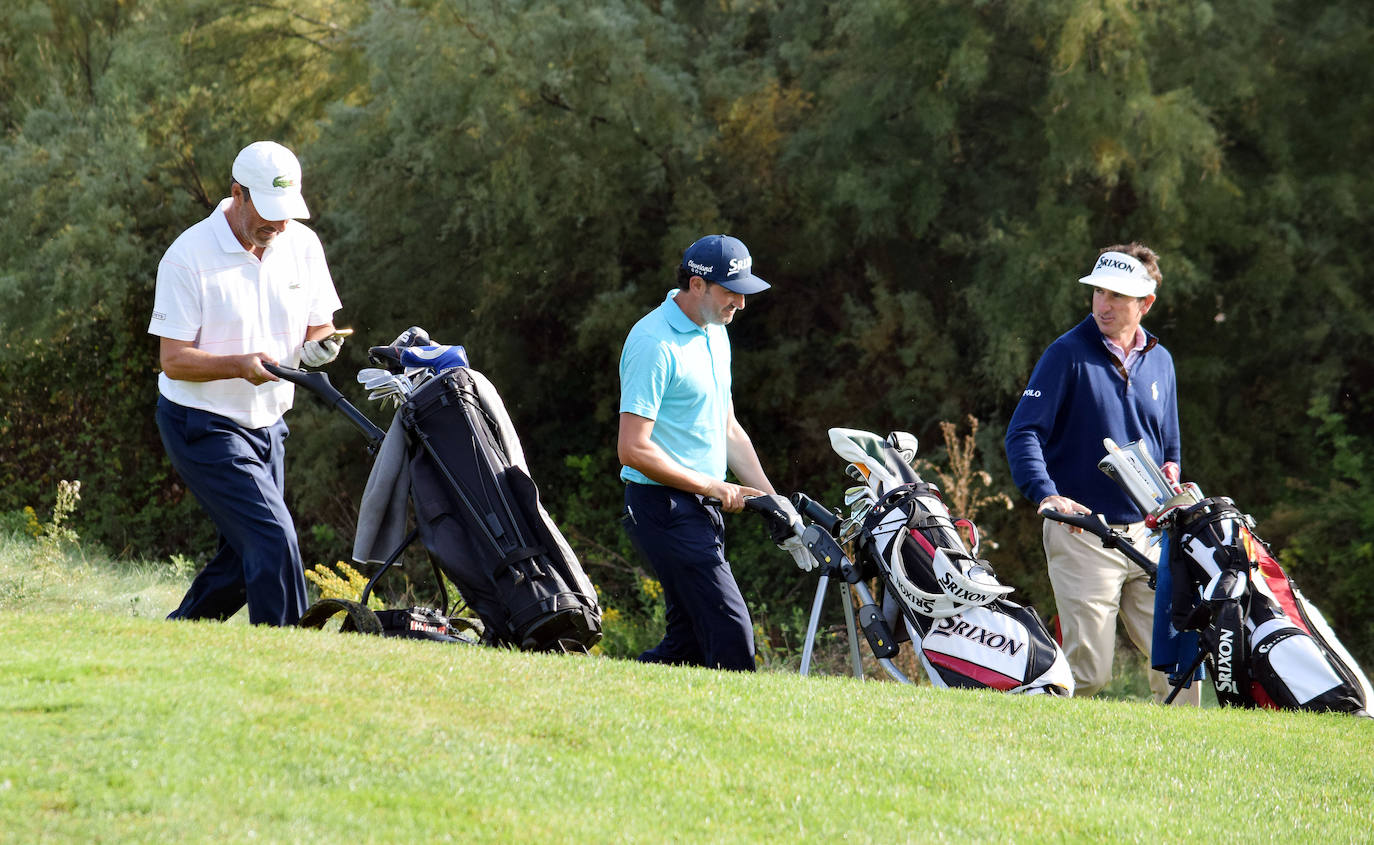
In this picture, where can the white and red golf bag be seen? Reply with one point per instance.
(949, 602)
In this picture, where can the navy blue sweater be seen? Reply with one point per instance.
(1075, 398)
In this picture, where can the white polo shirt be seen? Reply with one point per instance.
(213, 291)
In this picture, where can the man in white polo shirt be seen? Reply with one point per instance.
(247, 285)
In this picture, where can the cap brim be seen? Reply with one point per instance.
(277, 207)
(1124, 285)
(746, 286)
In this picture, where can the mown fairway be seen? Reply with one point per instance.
(121, 727)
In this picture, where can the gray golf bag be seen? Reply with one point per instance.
(453, 456)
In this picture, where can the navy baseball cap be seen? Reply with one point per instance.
(725, 261)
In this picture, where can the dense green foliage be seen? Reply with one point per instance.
(922, 182)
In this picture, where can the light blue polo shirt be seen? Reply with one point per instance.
(677, 374)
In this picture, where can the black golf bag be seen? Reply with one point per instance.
(479, 515)
(453, 456)
(946, 600)
(1264, 644)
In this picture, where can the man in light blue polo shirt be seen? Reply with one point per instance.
(678, 434)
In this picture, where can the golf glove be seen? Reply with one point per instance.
(317, 353)
(1171, 472)
(799, 552)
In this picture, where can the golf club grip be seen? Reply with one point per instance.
(1088, 522)
(816, 511)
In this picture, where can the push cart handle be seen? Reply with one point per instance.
(319, 384)
(1111, 539)
(818, 513)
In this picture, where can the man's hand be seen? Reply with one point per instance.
(251, 367)
(1063, 504)
(317, 353)
(1171, 472)
(731, 495)
(785, 527)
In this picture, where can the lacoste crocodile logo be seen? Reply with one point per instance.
(282, 182)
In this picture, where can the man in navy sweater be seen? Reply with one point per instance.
(1105, 377)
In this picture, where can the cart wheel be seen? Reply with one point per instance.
(357, 617)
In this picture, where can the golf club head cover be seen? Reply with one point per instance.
(413, 336)
(317, 353)
(389, 357)
(906, 445)
(437, 358)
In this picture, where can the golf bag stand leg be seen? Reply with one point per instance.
(874, 627)
(855, 660)
(1185, 678)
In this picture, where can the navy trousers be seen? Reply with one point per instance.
(238, 475)
(683, 540)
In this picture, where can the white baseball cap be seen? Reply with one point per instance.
(272, 176)
(1121, 273)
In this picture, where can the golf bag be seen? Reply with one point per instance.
(1265, 645)
(453, 456)
(946, 600)
(479, 515)
(967, 632)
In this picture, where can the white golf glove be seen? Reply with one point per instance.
(799, 552)
(317, 353)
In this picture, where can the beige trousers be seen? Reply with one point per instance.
(1092, 586)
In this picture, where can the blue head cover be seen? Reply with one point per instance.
(436, 358)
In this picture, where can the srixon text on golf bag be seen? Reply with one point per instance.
(1263, 643)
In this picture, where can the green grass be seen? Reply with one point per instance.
(121, 727)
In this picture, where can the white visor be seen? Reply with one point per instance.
(1120, 273)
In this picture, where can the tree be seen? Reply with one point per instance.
(119, 135)
(922, 183)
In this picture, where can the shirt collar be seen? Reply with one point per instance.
(228, 241)
(677, 318)
(1136, 346)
